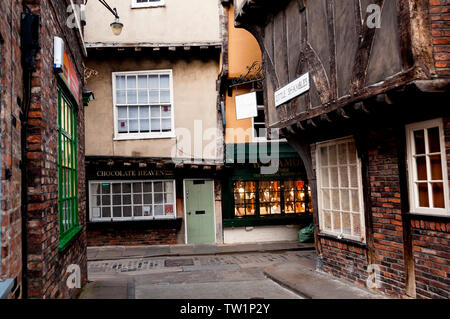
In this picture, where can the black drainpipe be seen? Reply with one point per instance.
(30, 31)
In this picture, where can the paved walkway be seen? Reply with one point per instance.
(127, 252)
(213, 271)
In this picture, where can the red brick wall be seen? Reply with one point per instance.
(430, 236)
(386, 210)
(46, 266)
(10, 89)
(107, 236)
(440, 28)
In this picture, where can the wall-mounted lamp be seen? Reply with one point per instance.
(116, 26)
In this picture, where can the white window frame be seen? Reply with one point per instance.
(135, 4)
(412, 168)
(132, 218)
(362, 237)
(151, 135)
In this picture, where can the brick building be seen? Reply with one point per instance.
(361, 89)
(42, 151)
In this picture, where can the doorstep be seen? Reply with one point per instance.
(146, 251)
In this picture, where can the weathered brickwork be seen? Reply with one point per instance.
(430, 237)
(10, 90)
(440, 28)
(46, 266)
(131, 237)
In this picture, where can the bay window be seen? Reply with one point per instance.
(341, 209)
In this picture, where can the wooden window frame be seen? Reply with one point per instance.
(67, 191)
(150, 135)
(321, 214)
(132, 217)
(412, 168)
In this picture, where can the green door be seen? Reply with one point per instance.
(199, 196)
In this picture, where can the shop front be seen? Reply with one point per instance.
(134, 202)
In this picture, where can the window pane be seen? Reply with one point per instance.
(134, 126)
(95, 201)
(239, 210)
(156, 111)
(165, 96)
(122, 126)
(126, 188)
(325, 177)
(158, 198)
(326, 199)
(117, 188)
(137, 188)
(137, 199)
(120, 82)
(342, 154)
(423, 195)
(264, 209)
(421, 163)
(356, 224)
(122, 112)
(117, 199)
(145, 126)
(434, 140)
(153, 81)
(346, 224)
(419, 141)
(168, 198)
(106, 188)
(323, 156)
(352, 153)
(133, 112)
(166, 111)
(143, 96)
(355, 201)
(156, 125)
(345, 200)
(158, 187)
(142, 82)
(95, 189)
(436, 167)
(106, 212)
(168, 210)
(106, 200)
(289, 207)
(327, 216)
(126, 199)
(131, 97)
(131, 82)
(166, 125)
(127, 211)
(159, 210)
(154, 96)
(438, 195)
(117, 212)
(343, 178)
(143, 112)
(353, 176)
(168, 187)
(335, 199)
(334, 178)
(148, 187)
(164, 82)
(148, 199)
(332, 155)
(137, 210)
(337, 221)
(121, 97)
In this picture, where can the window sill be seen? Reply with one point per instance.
(147, 6)
(68, 238)
(145, 137)
(343, 240)
(426, 216)
(278, 220)
(137, 224)
(6, 287)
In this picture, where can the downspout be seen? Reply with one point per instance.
(30, 30)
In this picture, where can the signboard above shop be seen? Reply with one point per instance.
(292, 90)
(65, 68)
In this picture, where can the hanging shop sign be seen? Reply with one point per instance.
(292, 90)
(246, 106)
(65, 68)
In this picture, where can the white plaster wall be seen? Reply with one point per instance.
(261, 234)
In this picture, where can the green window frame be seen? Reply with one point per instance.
(67, 171)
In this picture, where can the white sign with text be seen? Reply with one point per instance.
(246, 106)
(292, 90)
